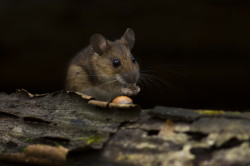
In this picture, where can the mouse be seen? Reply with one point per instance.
(105, 69)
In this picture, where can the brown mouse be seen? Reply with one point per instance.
(105, 69)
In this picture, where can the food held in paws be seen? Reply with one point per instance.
(122, 100)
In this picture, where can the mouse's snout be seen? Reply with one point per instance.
(130, 77)
(129, 81)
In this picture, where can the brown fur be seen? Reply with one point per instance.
(92, 72)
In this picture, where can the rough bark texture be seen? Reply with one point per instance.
(66, 128)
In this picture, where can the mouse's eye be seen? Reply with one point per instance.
(116, 62)
(133, 59)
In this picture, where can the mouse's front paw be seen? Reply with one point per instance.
(136, 89)
(127, 91)
(131, 91)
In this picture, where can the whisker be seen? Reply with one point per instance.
(149, 80)
(107, 83)
(163, 68)
(144, 83)
(117, 86)
(169, 71)
(150, 77)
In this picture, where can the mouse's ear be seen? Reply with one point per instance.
(128, 38)
(98, 43)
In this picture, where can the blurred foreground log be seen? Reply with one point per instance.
(65, 128)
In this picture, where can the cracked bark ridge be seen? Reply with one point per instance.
(58, 119)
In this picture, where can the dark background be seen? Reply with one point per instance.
(198, 50)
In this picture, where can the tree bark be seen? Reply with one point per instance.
(64, 128)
